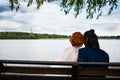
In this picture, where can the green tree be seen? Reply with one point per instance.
(91, 6)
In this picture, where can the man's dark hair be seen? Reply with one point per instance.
(91, 39)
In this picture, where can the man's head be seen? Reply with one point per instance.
(90, 39)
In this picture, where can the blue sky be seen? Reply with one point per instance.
(50, 19)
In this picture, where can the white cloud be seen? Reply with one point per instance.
(50, 19)
(9, 25)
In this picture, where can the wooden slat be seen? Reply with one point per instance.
(59, 63)
(99, 72)
(53, 70)
(96, 78)
(38, 70)
(25, 77)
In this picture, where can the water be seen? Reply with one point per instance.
(48, 50)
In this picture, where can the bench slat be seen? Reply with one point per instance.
(88, 78)
(99, 72)
(67, 71)
(39, 70)
(23, 77)
(59, 62)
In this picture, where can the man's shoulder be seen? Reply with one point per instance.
(92, 50)
(82, 49)
(85, 50)
(103, 52)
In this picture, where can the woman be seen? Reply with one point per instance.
(92, 52)
(71, 53)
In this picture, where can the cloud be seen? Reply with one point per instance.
(4, 6)
(107, 26)
(9, 25)
(50, 19)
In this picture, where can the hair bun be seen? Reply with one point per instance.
(92, 30)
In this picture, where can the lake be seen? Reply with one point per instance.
(48, 50)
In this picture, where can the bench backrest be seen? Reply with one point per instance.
(51, 70)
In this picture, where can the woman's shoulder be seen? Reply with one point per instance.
(70, 48)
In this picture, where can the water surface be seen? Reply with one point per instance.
(48, 50)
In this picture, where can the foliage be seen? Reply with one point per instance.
(24, 35)
(109, 37)
(91, 6)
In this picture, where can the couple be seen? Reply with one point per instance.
(90, 53)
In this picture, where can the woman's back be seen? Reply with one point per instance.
(69, 54)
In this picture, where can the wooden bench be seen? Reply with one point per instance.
(51, 70)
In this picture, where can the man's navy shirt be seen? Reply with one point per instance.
(92, 55)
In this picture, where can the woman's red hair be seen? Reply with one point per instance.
(77, 39)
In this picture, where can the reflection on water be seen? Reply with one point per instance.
(48, 50)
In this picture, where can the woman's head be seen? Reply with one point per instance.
(90, 39)
(77, 39)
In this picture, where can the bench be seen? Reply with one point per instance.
(52, 70)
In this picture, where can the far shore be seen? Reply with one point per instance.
(53, 39)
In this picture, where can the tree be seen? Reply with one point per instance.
(91, 6)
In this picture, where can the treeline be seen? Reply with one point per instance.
(109, 37)
(24, 35)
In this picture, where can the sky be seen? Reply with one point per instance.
(50, 19)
